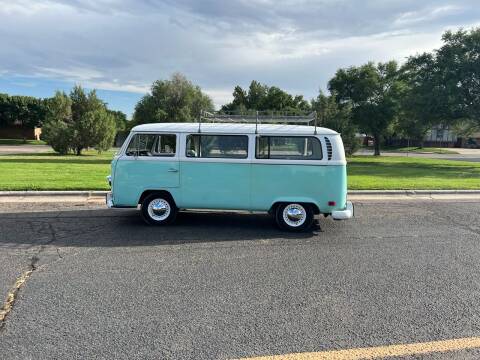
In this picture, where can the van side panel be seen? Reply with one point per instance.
(316, 184)
(134, 176)
(215, 185)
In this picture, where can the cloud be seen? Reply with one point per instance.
(427, 15)
(125, 45)
(90, 78)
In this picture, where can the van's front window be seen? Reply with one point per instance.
(152, 145)
(217, 146)
(288, 148)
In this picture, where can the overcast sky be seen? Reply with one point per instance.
(121, 46)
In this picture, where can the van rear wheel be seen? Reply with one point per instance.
(294, 217)
(158, 209)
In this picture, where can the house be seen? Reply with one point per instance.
(437, 136)
(441, 136)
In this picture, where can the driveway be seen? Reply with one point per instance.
(23, 149)
(224, 286)
(472, 155)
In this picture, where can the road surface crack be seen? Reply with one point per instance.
(13, 293)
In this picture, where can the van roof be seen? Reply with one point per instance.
(234, 128)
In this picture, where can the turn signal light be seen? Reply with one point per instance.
(332, 203)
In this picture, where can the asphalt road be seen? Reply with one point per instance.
(220, 286)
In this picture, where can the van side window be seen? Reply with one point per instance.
(152, 145)
(217, 146)
(288, 148)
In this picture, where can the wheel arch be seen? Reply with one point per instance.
(164, 193)
(276, 203)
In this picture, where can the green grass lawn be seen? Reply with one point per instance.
(388, 173)
(49, 171)
(21, 142)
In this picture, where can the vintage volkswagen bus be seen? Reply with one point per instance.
(291, 171)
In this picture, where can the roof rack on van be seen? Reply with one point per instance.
(258, 117)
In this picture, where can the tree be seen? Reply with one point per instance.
(7, 116)
(256, 96)
(458, 67)
(34, 115)
(420, 102)
(446, 82)
(120, 117)
(57, 129)
(240, 98)
(261, 97)
(466, 128)
(26, 111)
(338, 118)
(87, 110)
(174, 100)
(79, 121)
(373, 93)
(105, 129)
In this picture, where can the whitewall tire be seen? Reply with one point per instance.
(158, 209)
(294, 216)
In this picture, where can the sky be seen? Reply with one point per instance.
(119, 47)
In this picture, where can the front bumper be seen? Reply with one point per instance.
(109, 200)
(345, 214)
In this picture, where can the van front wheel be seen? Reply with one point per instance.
(294, 217)
(158, 210)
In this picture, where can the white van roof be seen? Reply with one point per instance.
(233, 128)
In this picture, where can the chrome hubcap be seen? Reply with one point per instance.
(294, 215)
(159, 209)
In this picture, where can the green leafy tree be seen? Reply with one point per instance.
(444, 85)
(57, 130)
(338, 118)
(458, 66)
(79, 121)
(173, 100)
(26, 111)
(420, 102)
(7, 115)
(261, 97)
(105, 129)
(121, 122)
(373, 93)
(256, 96)
(88, 113)
(466, 128)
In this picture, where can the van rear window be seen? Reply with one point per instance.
(288, 148)
(217, 146)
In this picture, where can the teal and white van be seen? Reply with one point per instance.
(294, 172)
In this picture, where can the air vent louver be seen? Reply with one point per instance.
(329, 148)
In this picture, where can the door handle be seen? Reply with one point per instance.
(172, 170)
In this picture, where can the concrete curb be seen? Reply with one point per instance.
(88, 193)
(412, 192)
(92, 193)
